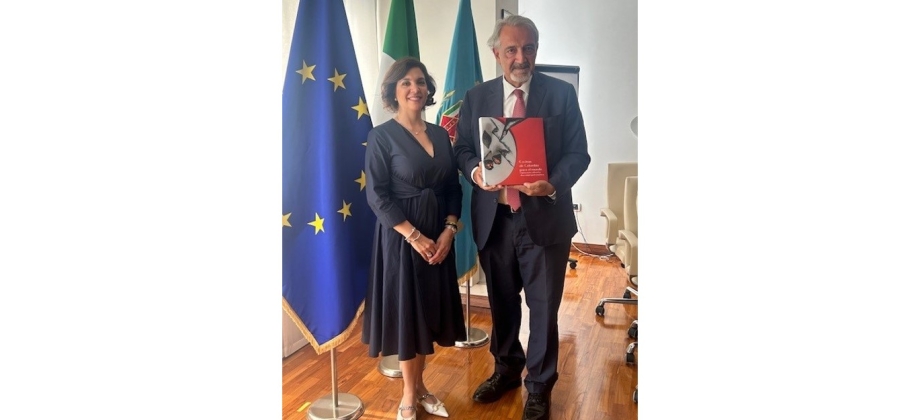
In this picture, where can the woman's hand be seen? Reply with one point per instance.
(443, 246)
(425, 247)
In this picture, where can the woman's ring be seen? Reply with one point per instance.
(429, 255)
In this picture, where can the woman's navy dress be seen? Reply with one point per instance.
(410, 304)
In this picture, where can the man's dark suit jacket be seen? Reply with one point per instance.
(548, 222)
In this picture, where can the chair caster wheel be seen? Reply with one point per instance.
(630, 358)
(633, 332)
(636, 395)
(627, 295)
(599, 310)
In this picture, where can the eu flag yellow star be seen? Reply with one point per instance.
(317, 225)
(285, 220)
(337, 80)
(362, 181)
(306, 72)
(345, 210)
(361, 107)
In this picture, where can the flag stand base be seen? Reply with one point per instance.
(389, 366)
(350, 407)
(475, 338)
(336, 406)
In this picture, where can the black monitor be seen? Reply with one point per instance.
(567, 73)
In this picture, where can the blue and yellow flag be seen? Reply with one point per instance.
(463, 72)
(327, 226)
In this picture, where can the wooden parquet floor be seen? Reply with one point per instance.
(595, 382)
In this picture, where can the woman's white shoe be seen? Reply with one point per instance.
(437, 408)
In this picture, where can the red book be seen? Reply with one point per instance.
(513, 150)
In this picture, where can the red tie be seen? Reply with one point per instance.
(513, 195)
(519, 105)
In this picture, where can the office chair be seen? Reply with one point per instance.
(628, 240)
(627, 245)
(627, 249)
(616, 177)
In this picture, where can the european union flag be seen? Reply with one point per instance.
(326, 222)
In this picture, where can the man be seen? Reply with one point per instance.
(524, 232)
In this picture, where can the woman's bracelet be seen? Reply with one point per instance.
(451, 225)
(409, 237)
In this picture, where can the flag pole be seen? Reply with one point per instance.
(474, 336)
(463, 73)
(336, 406)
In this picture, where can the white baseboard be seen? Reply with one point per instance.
(291, 337)
(290, 348)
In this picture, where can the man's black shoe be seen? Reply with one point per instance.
(537, 407)
(493, 388)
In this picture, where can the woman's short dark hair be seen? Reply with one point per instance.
(396, 72)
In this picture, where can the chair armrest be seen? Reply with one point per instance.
(629, 237)
(611, 226)
(632, 241)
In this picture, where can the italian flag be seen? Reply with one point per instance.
(401, 40)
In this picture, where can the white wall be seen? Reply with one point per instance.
(600, 37)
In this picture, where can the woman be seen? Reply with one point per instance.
(413, 300)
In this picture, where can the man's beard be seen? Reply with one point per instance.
(518, 78)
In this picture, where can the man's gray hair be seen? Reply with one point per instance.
(513, 20)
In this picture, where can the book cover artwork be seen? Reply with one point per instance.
(513, 150)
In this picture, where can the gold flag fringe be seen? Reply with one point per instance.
(329, 345)
(469, 274)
